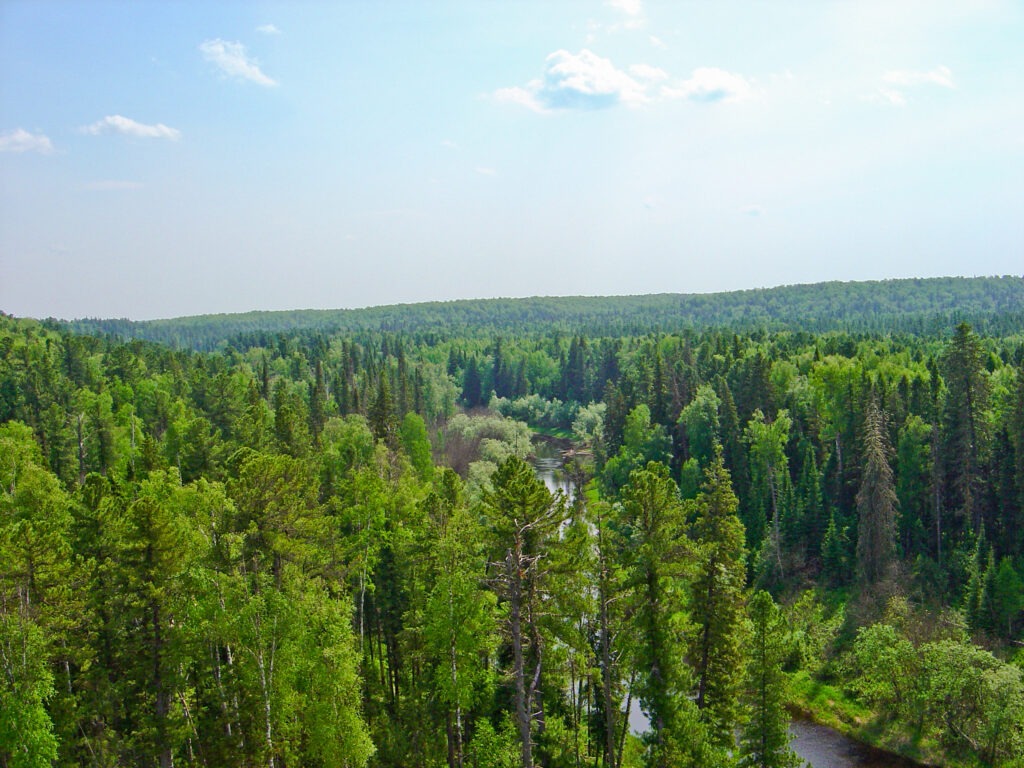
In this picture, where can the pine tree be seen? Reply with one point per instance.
(472, 386)
(717, 604)
(834, 553)
(876, 502)
(965, 431)
(657, 559)
(382, 413)
(317, 402)
(764, 742)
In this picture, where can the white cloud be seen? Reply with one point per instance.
(268, 29)
(449, 144)
(234, 61)
(752, 210)
(20, 140)
(634, 11)
(906, 77)
(709, 85)
(898, 79)
(485, 171)
(894, 97)
(587, 81)
(628, 7)
(577, 81)
(129, 127)
(112, 185)
(657, 42)
(647, 72)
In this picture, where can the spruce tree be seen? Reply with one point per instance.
(657, 562)
(764, 742)
(717, 604)
(876, 502)
(965, 428)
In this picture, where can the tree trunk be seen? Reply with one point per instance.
(523, 714)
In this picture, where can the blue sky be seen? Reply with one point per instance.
(166, 159)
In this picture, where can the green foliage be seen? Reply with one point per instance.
(643, 442)
(912, 305)
(764, 740)
(700, 418)
(771, 491)
(716, 604)
(876, 503)
(26, 731)
(248, 556)
(416, 444)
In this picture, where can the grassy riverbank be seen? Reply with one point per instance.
(829, 705)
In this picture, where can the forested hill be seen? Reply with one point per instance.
(990, 304)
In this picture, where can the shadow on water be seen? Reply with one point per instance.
(823, 747)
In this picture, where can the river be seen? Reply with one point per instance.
(823, 747)
(549, 466)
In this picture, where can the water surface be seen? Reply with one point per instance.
(823, 747)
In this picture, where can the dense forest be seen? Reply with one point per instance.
(325, 544)
(934, 305)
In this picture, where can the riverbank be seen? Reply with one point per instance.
(829, 706)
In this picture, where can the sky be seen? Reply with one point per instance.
(162, 159)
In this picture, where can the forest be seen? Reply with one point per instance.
(324, 543)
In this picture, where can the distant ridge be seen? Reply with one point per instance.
(914, 305)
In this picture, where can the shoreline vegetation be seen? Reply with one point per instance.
(320, 545)
(826, 705)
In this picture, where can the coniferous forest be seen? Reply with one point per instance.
(320, 539)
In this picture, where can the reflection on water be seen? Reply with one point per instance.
(548, 465)
(824, 748)
(551, 472)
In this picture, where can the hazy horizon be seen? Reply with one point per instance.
(503, 298)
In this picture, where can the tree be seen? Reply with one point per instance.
(913, 485)
(657, 557)
(642, 442)
(158, 552)
(703, 429)
(965, 432)
(26, 683)
(34, 569)
(472, 385)
(614, 627)
(771, 486)
(460, 623)
(717, 603)
(382, 412)
(764, 741)
(416, 444)
(1007, 597)
(523, 520)
(876, 502)
(574, 374)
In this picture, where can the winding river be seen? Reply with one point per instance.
(819, 745)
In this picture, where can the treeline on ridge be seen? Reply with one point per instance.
(920, 306)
